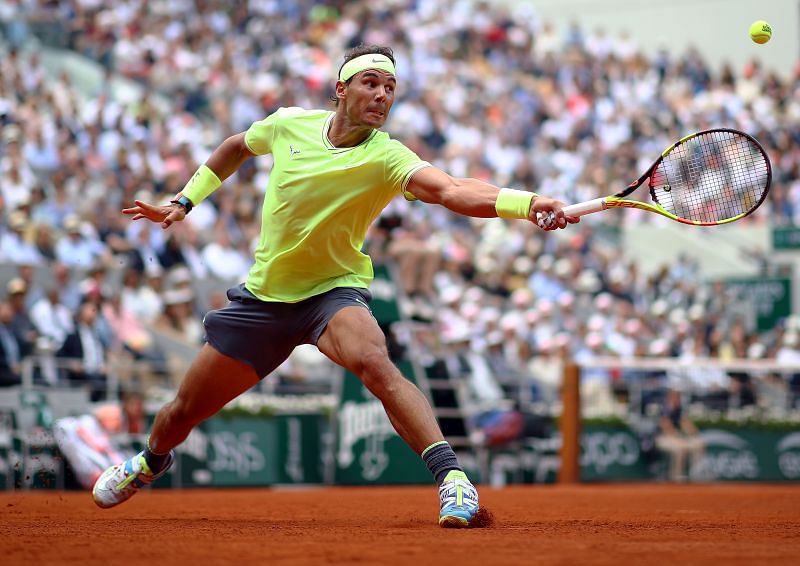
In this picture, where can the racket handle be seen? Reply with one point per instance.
(586, 207)
(577, 209)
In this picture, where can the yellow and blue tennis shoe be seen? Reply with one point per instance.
(458, 500)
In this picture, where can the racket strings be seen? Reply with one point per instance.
(711, 177)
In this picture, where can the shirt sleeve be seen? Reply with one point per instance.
(401, 164)
(261, 135)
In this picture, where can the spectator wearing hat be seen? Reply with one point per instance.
(178, 318)
(21, 324)
(15, 247)
(33, 289)
(77, 249)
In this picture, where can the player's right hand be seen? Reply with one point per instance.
(166, 214)
(547, 213)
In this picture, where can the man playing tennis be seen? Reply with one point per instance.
(333, 173)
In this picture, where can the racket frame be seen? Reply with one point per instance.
(618, 200)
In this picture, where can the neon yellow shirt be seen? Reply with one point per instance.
(319, 203)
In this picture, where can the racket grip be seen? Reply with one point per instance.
(586, 207)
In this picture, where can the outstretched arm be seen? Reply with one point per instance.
(473, 197)
(223, 162)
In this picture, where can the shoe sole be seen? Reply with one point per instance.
(451, 522)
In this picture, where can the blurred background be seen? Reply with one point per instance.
(687, 339)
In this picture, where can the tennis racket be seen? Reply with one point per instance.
(704, 179)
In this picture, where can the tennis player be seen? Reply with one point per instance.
(333, 174)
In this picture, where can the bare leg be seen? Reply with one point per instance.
(679, 461)
(354, 340)
(211, 382)
(697, 449)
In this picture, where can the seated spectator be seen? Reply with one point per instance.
(68, 289)
(140, 298)
(131, 335)
(224, 259)
(181, 250)
(178, 318)
(15, 242)
(56, 208)
(53, 320)
(77, 249)
(45, 241)
(86, 353)
(34, 290)
(21, 325)
(9, 349)
(679, 438)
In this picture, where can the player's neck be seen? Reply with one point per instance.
(343, 133)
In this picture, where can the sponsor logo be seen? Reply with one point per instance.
(293, 151)
(294, 450)
(364, 421)
(602, 450)
(236, 453)
(789, 455)
(728, 456)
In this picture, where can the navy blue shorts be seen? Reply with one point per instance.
(263, 334)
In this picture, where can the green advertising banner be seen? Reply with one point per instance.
(254, 451)
(303, 448)
(608, 453)
(368, 450)
(786, 238)
(770, 296)
(755, 455)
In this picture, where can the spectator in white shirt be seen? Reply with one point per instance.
(52, 319)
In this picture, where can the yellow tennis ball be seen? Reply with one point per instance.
(760, 31)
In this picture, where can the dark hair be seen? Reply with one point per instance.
(358, 51)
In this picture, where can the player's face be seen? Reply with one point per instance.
(369, 97)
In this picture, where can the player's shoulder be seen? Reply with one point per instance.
(298, 113)
(385, 140)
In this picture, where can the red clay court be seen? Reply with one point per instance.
(599, 524)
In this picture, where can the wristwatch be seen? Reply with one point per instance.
(184, 202)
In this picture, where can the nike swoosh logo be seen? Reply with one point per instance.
(378, 61)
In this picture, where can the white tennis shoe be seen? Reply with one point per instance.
(121, 482)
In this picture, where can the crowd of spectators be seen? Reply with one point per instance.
(483, 92)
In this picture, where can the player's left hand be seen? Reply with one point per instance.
(546, 207)
(166, 214)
